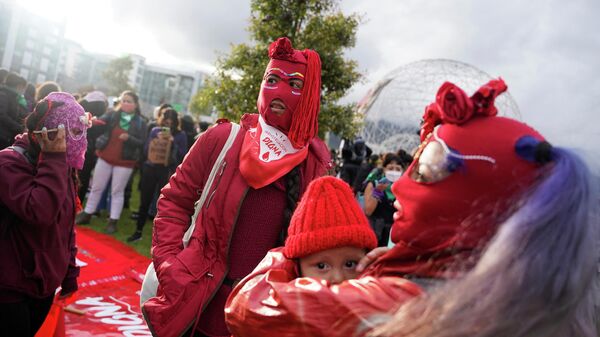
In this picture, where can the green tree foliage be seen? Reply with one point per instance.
(116, 75)
(314, 24)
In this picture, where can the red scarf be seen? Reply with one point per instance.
(267, 154)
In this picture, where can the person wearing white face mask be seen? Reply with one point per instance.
(379, 199)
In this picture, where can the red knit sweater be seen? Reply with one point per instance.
(256, 232)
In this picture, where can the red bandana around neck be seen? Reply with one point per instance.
(267, 154)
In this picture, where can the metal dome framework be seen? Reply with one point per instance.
(392, 109)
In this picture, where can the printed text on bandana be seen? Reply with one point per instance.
(274, 144)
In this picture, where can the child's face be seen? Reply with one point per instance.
(334, 265)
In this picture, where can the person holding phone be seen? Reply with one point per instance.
(379, 199)
(156, 174)
(38, 202)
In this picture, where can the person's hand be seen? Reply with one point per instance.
(382, 186)
(64, 296)
(58, 144)
(370, 258)
(97, 122)
(124, 136)
(378, 194)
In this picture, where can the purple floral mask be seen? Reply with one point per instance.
(76, 122)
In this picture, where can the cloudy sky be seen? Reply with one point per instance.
(548, 51)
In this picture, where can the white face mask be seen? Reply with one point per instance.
(393, 175)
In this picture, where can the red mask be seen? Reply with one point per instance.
(279, 89)
(459, 213)
(463, 180)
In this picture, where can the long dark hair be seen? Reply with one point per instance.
(292, 186)
(44, 89)
(172, 115)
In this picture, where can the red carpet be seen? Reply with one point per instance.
(108, 295)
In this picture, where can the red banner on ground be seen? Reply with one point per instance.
(107, 302)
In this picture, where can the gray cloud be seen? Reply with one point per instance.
(547, 51)
(193, 31)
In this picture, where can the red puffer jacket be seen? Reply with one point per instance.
(272, 301)
(189, 277)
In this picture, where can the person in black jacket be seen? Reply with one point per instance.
(95, 103)
(156, 174)
(119, 149)
(354, 154)
(13, 108)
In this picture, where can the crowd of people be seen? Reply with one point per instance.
(485, 230)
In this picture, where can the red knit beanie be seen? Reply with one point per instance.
(327, 217)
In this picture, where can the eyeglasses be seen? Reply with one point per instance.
(435, 160)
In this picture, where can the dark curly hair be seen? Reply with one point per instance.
(292, 185)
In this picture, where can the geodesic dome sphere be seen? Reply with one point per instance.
(393, 108)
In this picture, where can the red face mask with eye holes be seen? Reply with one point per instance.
(450, 207)
(280, 94)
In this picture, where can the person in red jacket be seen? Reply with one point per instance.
(38, 202)
(496, 234)
(275, 156)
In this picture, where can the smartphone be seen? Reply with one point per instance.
(384, 181)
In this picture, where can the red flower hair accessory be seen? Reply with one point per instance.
(483, 100)
(282, 49)
(453, 106)
(431, 118)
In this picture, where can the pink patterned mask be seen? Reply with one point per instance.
(76, 123)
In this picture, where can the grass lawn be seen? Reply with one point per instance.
(126, 225)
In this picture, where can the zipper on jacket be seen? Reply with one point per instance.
(195, 322)
(212, 194)
(209, 274)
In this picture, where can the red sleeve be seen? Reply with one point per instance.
(34, 197)
(177, 199)
(271, 301)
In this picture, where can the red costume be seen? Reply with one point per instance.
(450, 207)
(243, 214)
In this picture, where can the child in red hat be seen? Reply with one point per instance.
(329, 233)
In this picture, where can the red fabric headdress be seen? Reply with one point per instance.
(305, 119)
(288, 115)
(443, 224)
(452, 105)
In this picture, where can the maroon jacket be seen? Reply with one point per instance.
(37, 237)
(190, 277)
